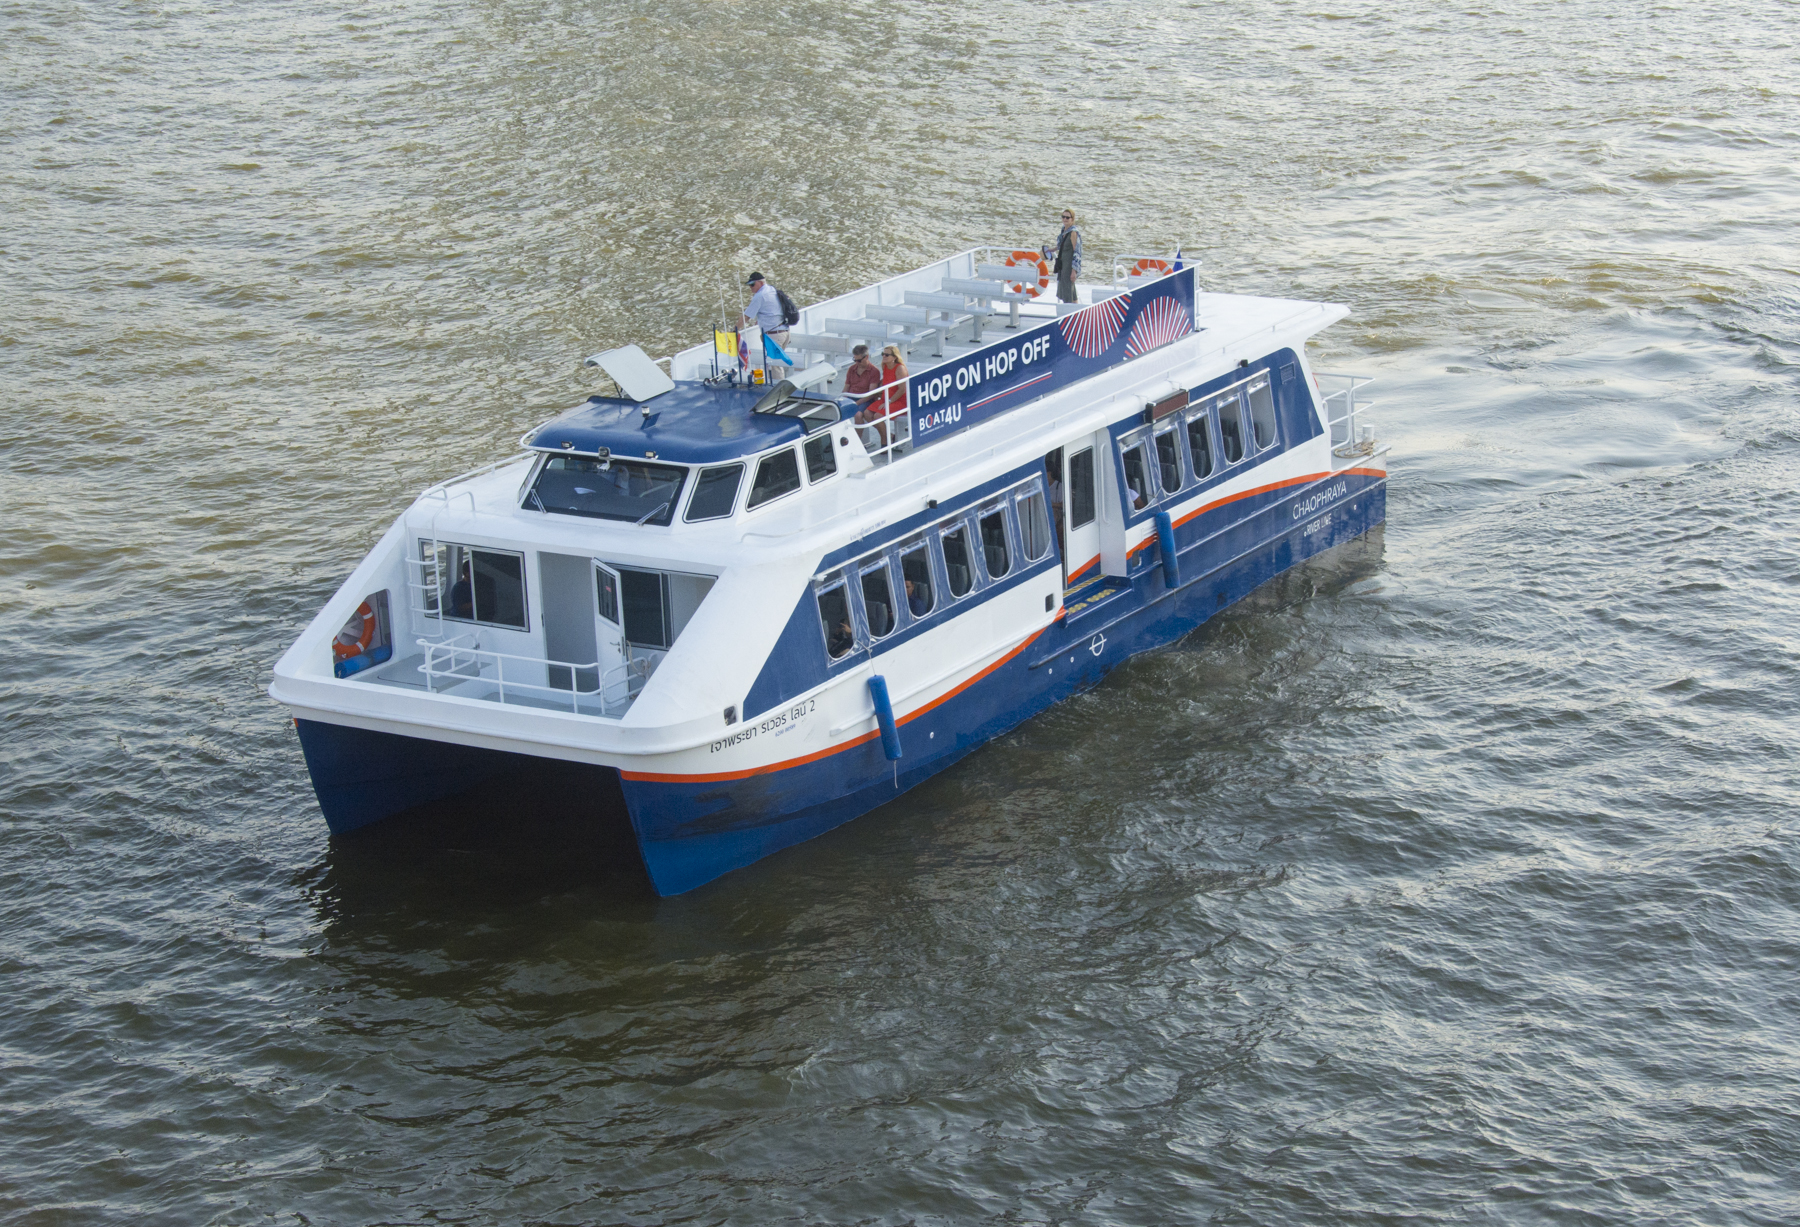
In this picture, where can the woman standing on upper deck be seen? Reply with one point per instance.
(1068, 257)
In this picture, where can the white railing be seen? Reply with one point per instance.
(895, 428)
(424, 582)
(463, 659)
(1338, 398)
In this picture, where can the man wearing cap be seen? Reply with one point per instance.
(764, 310)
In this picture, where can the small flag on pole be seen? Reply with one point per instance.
(724, 342)
(1177, 267)
(772, 350)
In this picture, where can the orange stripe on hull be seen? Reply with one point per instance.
(711, 777)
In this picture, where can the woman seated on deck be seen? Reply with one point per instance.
(885, 405)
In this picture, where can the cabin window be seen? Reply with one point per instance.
(821, 460)
(715, 493)
(993, 543)
(878, 600)
(1137, 477)
(481, 585)
(834, 619)
(1034, 526)
(957, 567)
(1168, 461)
(915, 574)
(606, 594)
(1200, 446)
(778, 474)
(1262, 413)
(611, 490)
(1081, 488)
(1231, 428)
(644, 596)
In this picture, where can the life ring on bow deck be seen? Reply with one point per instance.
(1026, 260)
(1151, 267)
(351, 643)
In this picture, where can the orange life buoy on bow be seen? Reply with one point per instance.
(355, 642)
(1149, 267)
(1030, 260)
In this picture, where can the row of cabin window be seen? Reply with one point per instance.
(644, 492)
(952, 558)
(1214, 433)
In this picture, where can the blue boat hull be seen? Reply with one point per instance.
(691, 831)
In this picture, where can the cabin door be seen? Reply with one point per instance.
(609, 634)
(1081, 523)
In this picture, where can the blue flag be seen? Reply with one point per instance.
(1177, 267)
(775, 351)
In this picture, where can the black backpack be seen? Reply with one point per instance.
(790, 314)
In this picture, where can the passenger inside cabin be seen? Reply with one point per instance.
(462, 595)
(842, 639)
(917, 600)
(1136, 480)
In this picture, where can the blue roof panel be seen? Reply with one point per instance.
(694, 424)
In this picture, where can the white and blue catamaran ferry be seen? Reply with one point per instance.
(742, 619)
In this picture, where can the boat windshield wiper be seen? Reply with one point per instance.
(533, 496)
(654, 511)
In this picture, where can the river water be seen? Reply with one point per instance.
(1454, 878)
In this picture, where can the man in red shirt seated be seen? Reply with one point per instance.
(863, 376)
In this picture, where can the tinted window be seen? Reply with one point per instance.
(777, 475)
(956, 561)
(606, 595)
(1262, 413)
(1231, 429)
(621, 490)
(1200, 446)
(821, 461)
(1034, 526)
(993, 544)
(915, 573)
(1081, 488)
(1168, 461)
(1137, 478)
(834, 617)
(878, 601)
(643, 595)
(484, 586)
(715, 492)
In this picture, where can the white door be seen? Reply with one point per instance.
(1082, 485)
(609, 635)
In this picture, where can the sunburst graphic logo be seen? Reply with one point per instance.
(1091, 332)
(1160, 322)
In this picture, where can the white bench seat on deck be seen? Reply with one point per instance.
(987, 291)
(956, 310)
(877, 330)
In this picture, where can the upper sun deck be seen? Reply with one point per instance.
(978, 332)
(707, 447)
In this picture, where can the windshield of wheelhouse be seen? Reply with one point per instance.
(631, 490)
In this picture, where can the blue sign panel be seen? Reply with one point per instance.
(1005, 374)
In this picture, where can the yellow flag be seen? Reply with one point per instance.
(725, 342)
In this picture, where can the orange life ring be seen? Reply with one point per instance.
(1148, 267)
(1029, 259)
(347, 645)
